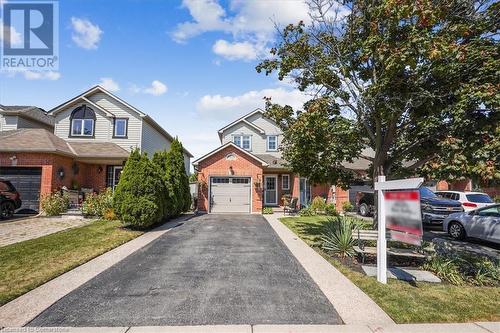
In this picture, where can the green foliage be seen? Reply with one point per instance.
(98, 204)
(307, 211)
(267, 210)
(465, 269)
(140, 196)
(347, 206)
(175, 178)
(193, 177)
(54, 204)
(330, 210)
(391, 76)
(318, 204)
(338, 236)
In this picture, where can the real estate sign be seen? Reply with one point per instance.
(403, 217)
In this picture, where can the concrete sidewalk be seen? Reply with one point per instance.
(351, 303)
(480, 327)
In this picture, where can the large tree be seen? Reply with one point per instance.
(416, 81)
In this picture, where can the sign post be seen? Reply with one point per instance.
(380, 186)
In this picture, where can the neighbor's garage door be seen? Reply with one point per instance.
(27, 183)
(230, 194)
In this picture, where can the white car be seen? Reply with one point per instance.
(469, 200)
(482, 223)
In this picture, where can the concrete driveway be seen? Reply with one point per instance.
(213, 269)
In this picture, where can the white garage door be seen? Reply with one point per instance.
(230, 194)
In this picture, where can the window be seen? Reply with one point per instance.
(490, 211)
(478, 197)
(272, 143)
(285, 182)
(82, 121)
(120, 130)
(243, 141)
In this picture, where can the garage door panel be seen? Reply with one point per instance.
(230, 195)
(27, 182)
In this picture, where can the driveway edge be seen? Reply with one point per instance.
(25, 308)
(351, 303)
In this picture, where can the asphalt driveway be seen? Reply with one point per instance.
(213, 269)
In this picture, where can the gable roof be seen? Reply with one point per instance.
(83, 97)
(32, 112)
(230, 144)
(244, 120)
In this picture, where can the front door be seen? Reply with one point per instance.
(117, 171)
(271, 190)
(304, 192)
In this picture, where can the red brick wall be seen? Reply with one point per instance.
(87, 176)
(218, 165)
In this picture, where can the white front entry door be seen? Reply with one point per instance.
(270, 190)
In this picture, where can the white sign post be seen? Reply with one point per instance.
(380, 186)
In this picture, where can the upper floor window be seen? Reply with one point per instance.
(82, 121)
(120, 128)
(243, 141)
(272, 142)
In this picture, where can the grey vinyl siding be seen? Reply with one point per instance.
(28, 123)
(104, 123)
(8, 123)
(259, 141)
(152, 140)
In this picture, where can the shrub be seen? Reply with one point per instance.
(54, 203)
(465, 269)
(337, 236)
(307, 211)
(98, 204)
(347, 206)
(140, 196)
(176, 180)
(330, 210)
(109, 214)
(267, 210)
(318, 204)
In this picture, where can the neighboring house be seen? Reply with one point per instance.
(17, 117)
(247, 172)
(91, 138)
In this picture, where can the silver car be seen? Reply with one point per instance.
(482, 223)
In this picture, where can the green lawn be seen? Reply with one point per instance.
(424, 302)
(26, 265)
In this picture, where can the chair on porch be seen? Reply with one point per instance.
(291, 207)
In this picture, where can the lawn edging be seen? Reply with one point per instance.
(351, 303)
(25, 308)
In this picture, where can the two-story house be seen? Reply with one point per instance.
(88, 140)
(247, 172)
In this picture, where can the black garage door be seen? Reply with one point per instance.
(27, 183)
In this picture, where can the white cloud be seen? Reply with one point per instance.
(109, 84)
(157, 88)
(236, 50)
(14, 36)
(252, 24)
(85, 33)
(229, 107)
(41, 75)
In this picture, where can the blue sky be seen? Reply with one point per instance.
(189, 64)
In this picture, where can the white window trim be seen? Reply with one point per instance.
(115, 127)
(241, 141)
(276, 142)
(287, 183)
(83, 127)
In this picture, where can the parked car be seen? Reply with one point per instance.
(469, 200)
(435, 209)
(10, 200)
(482, 223)
(365, 203)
